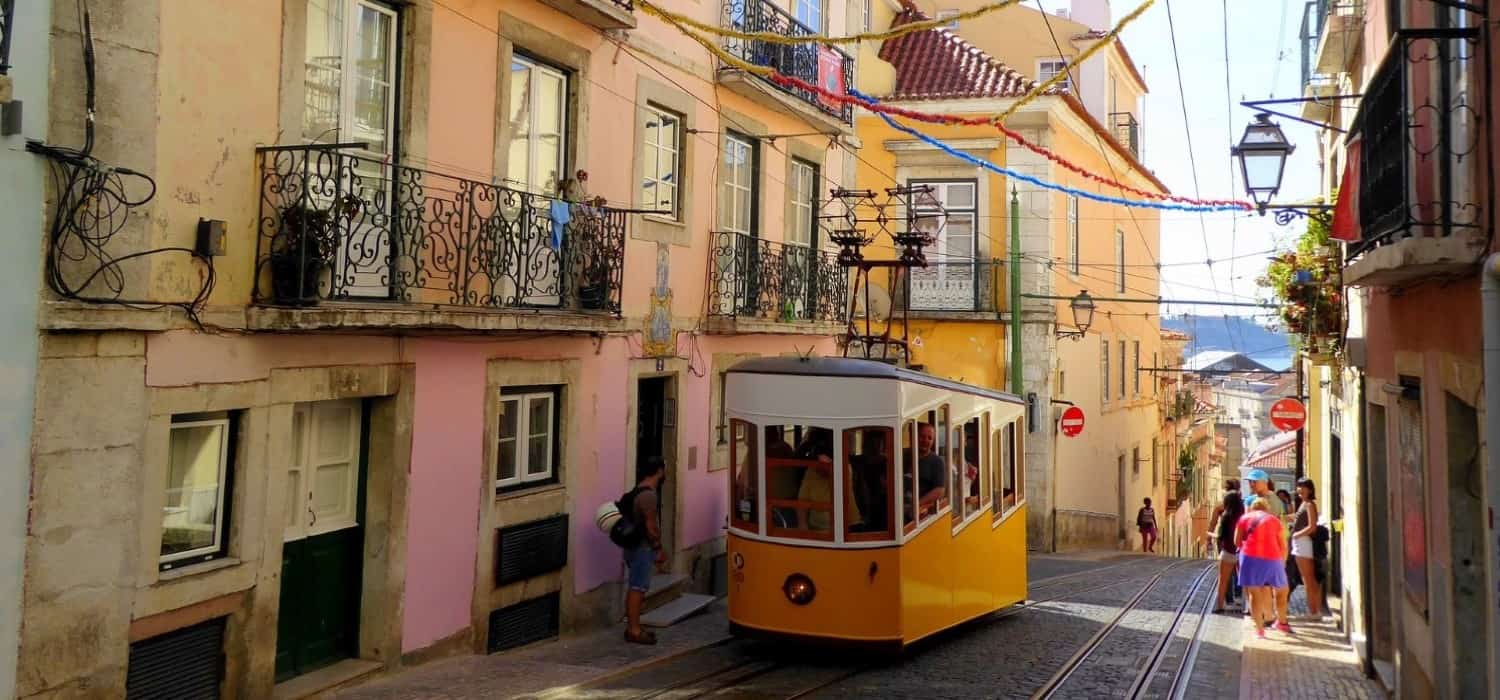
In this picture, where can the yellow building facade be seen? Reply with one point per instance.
(960, 313)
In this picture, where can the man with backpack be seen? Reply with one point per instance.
(638, 532)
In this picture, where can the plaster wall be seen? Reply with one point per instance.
(21, 194)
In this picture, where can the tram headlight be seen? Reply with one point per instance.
(799, 589)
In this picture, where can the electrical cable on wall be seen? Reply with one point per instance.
(92, 205)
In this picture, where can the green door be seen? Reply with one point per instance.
(318, 622)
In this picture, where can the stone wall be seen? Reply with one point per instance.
(1080, 530)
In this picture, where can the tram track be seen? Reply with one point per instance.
(1142, 682)
(741, 669)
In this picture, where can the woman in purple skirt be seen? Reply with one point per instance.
(1258, 536)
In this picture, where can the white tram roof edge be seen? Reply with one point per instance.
(789, 386)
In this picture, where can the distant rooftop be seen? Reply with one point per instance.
(1223, 360)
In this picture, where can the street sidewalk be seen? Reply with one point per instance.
(546, 668)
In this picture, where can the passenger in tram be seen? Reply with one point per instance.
(932, 472)
(781, 483)
(871, 476)
(971, 463)
(817, 484)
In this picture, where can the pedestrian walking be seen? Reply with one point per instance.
(1229, 513)
(1303, 529)
(640, 537)
(1262, 550)
(1260, 487)
(1145, 520)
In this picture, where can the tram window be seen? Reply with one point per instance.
(1010, 487)
(745, 463)
(927, 466)
(799, 481)
(956, 468)
(869, 506)
(1018, 462)
(986, 482)
(969, 470)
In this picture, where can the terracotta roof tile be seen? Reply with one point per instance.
(938, 64)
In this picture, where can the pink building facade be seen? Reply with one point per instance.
(472, 262)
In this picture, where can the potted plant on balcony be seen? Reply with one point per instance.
(300, 252)
(1306, 283)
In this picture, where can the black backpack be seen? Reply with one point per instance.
(626, 533)
(1320, 539)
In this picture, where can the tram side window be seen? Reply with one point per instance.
(799, 481)
(956, 467)
(1009, 495)
(926, 478)
(987, 457)
(1018, 461)
(744, 460)
(970, 468)
(869, 505)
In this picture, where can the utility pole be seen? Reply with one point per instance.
(1015, 295)
(1301, 432)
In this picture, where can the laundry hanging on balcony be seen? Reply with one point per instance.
(562, 213)
(1346, 211)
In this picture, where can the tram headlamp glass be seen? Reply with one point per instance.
(799, 589)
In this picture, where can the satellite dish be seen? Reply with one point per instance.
(880, 303)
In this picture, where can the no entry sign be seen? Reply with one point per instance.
(1288, 415)
(1072, 422)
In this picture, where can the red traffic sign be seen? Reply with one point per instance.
(1288, 415)
(1071, 424)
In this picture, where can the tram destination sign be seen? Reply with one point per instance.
(1288, 415)
(1071, 423)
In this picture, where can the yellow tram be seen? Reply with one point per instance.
(823, 548)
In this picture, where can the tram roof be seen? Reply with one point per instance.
(864, 369)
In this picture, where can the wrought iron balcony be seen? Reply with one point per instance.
(1127, 131)
(337, 226)
(1419, 183)
(972, 286)
(750, 278)
(813, 63)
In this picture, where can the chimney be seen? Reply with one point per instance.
(1094, 13)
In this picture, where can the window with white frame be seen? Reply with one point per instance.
(810, 14)
(527, 436)
(1122, 370)
(349, 73)
(1104, 369)
(537, 115)
(1073, 235)
(1046, 68)
(199, 469)
(803, 190)
(865, 21)
(1119, 260)
(949, 15)
(661, 160)
(737, 187)
(1137, 355)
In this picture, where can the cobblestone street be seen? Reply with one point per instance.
(1078, 603)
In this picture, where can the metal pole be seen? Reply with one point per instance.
(1301, 432)
(1015, 292)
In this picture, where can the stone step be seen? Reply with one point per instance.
(671, 613)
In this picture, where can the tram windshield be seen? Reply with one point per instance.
(799, 481)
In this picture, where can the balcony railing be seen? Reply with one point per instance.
(771, 281)
(337, 226)
(1127, 131)
(812, 63)
(1420, 131)
(956, 286)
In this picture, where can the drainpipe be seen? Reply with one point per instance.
(1015, 296)
(1489, 298)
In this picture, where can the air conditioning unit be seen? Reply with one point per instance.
(1062, 12)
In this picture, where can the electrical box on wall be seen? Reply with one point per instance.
(210, 237)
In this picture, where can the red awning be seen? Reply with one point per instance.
(1346, 211)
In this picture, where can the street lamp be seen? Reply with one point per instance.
(1082, 307)
(1262, 152)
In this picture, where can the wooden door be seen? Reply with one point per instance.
(321, 560)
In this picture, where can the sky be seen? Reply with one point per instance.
(1264, 62)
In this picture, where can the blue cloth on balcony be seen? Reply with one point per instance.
(562, 213)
